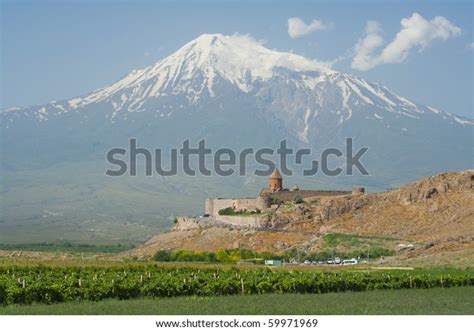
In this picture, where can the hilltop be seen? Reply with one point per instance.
(428, 220)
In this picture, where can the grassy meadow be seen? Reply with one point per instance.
(439, 301)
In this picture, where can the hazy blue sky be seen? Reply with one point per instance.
(53, 50)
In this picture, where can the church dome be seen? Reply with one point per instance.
(275, 174)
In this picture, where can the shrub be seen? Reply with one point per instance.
(227, 211)
(297, 199)
(275, 200)
(184, 256)
(162, 256)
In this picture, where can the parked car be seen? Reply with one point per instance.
(350, 262)
(307, 262)
(330, 261)
(337, 260)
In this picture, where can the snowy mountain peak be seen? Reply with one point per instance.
(234, 92)
(238, 59)
(192, 69)
(235, 54)
(295, 90)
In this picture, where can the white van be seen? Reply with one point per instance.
(350, 262)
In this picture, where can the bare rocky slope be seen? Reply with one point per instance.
(434, 214)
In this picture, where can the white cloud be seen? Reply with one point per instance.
(297, 27)
(417, 33)
(365, 47)
(470, 46)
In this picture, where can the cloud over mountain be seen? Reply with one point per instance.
(417, 33)
(298, 28)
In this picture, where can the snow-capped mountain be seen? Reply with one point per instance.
(234, 91)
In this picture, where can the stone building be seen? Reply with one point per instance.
(275, 182)
(255, 205)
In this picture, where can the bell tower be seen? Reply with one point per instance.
(275, 182)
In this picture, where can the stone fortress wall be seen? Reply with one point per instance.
(262, 202)
(191, 222)
(249, 221)
(212, 206)
(184, 223)
(287, 195)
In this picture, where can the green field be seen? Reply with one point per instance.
(65, 247)
(401, 302)
(77, 203)
(117, 287)
(50, 285)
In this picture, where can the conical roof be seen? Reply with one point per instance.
(275, 174)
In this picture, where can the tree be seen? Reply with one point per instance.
(162, 255)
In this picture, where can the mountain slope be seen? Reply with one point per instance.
(233, 92)
(195, 68)
(215, 76)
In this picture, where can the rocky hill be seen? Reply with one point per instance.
(432, 218)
